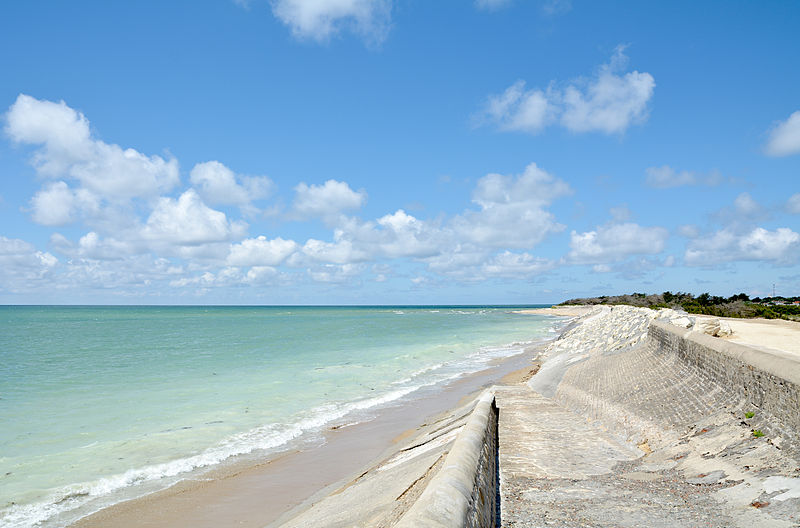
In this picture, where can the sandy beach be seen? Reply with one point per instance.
(256, 493)
(559, 311)
(774, 335)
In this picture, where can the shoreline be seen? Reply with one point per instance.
(255, 492)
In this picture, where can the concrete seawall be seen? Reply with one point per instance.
(641, 380)
(464, 491)
(767, 384)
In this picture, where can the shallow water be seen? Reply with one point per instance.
(98, 401)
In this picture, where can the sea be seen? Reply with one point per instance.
(100, 404)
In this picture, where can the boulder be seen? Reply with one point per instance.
(682, 321)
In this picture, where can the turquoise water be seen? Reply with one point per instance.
(98, 403)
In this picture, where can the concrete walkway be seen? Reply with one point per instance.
(558, 470)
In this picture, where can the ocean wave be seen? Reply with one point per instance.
(268, 437)
(80, 498)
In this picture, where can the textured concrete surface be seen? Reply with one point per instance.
(701, 465)
(463, 492)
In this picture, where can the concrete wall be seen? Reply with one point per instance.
(769, 384)
(464, 492)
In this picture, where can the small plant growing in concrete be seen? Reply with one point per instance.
(749, 414)
(757, 433)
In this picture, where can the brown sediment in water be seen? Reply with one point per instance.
(255, 493)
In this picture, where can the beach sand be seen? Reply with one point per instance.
(559, 311)
(772, 335)
(255, 493)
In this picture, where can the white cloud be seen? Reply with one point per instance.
(261, 275)
(520, 110)
(326, 201)
(341, 251)
(512, 210)
(609, 102)
(188, 221)
(92, 246)
(23, 266)
(512, 214)
(615, 242)
(89, 180)
(665, 177)
(53, 205)
(217, 184)
(516, 265)
(331, 273)
(793, 204)
(321, 19)
(67, 150)
(784, 138)
(405, 236)
(780, 246)
(261, 252)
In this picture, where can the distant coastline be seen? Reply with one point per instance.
(738, 306)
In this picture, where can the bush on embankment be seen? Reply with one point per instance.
(739, 305)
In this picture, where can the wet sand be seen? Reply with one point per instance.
(257, 493)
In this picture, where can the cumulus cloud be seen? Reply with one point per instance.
(85, 178)
(23, 266)
(609, 102)
(403, 235)
(326, 201)
(67, 151)
(615, 242)
(319, 20)
(188, 221)
(665, 177)
(53, 205)
(93, 246)
(218, 185)
(512, 214)
(518, 109)
(332, 273)
(784, 138)
(512, 209)
(780, 246)
(261, 251)
(516, 265)
(341, 251)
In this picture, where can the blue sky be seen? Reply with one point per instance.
(397, 151)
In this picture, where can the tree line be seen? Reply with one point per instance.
(739, 305)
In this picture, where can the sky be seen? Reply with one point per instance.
(397, 151)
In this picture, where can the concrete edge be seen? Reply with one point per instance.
(445, 501)
(779, 366)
